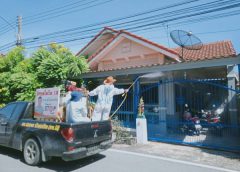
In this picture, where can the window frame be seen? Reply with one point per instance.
(8, 116)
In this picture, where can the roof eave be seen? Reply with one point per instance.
(165, 68)
(169, 53)
(105, 29)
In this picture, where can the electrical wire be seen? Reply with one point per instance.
(7, 27)
(146, 26)
(47, 17)
(174, 5)
(123, 18)
(160, 22)
(50, 10)
(119, 24)
(7, 22)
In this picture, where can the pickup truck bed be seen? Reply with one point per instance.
(41, 140)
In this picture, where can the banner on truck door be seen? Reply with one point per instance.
(47, 103)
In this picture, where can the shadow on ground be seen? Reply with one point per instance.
(55, 164)
(11, 153)
(223, 153)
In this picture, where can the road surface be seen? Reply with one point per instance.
(108, 161)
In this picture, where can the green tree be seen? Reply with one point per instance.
(60, 64)
(23, 86)
(4, 88)
(37, 57)
(8, 62)
(48, 67)
(7, 65)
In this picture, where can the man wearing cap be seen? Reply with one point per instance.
(77, 108)
(105, 95)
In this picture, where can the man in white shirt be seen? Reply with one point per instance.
(105, 95)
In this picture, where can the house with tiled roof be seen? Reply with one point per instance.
(196, 78)
(112, 49)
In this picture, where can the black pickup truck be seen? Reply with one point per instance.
(41, 140)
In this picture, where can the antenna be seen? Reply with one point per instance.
(186, 40)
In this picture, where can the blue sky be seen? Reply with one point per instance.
(114, 9)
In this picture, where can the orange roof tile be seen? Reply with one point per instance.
(208, 51)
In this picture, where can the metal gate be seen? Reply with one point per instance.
(211, 103)
(193, 112)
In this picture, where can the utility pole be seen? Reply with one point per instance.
(19, 35)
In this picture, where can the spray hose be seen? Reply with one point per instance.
(124, 99)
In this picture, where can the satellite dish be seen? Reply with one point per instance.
(186, 40)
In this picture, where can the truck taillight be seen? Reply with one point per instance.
(94, 126)
(68, 134)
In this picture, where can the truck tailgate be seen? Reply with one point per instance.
(92, 133)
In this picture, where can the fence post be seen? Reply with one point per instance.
(136, 98)
(232, 102)
(162, 107)
(238, 72)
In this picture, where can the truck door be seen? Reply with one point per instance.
(13, 120)
(5, 114)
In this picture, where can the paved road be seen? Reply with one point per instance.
(108, 161)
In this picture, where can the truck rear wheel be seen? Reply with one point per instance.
(32, 152)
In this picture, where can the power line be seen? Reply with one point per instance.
(207, 18)
(182, 3)
(5, 31)
(83, 38)
(61, 10)
(136, 21)
(6, 28)
(123, 18)
(138, 14)
(146, 26)
(7, 22)
(197, 20)
(50, 10)
(64, 12)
